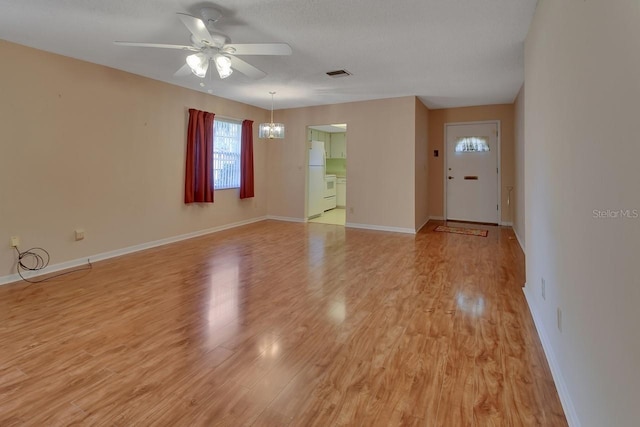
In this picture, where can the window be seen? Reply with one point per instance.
(471, 144)
(226, 153)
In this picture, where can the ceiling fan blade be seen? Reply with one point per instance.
(246, 68)
(197, 28)
(183, 71)
(258, 49)
(163, 46)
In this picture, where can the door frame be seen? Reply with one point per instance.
(445, 168)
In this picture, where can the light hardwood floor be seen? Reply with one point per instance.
(277, 324)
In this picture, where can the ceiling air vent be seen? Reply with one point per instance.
(338, 73)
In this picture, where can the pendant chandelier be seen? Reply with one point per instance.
(271, 130)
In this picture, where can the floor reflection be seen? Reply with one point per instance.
(470, 304)
(271, 350)
(338, 310)
(224, 289)
(326, 243)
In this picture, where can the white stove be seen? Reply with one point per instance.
(329, 192)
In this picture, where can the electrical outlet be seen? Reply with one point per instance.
(543, 286)
(79, 234)
(559, 319)
(15, 241)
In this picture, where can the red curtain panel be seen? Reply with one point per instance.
(246, 160)
(198, 184)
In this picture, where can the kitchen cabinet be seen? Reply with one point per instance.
(317, 135)
(327, 144)
(338, 146)
(341, 192)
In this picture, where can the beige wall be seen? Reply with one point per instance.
(437, 120)
(380, 161)
(582, 62)
(88, 146)
(517, 195)
(421, 164)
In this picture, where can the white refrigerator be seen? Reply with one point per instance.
(315, 203)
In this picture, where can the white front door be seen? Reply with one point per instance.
(472, 172)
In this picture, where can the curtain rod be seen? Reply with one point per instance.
(228, 118)
(221, 116)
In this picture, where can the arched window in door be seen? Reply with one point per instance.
(471, 144)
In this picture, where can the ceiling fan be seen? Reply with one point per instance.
(210, 46)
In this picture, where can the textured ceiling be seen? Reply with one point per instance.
(449, 53)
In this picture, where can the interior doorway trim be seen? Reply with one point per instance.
(444, 171)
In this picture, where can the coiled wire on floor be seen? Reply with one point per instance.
(36, 259)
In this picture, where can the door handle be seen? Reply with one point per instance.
(450, 177)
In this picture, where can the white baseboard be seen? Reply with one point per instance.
(380, 228)
(519, 240)
(285, 218)
(561, 385)
(422, 226)
(506, 224)
(130, 249)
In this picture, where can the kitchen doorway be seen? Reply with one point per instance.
(327, 173)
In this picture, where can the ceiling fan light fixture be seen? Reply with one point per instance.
(271, 130)
(199, 63)
(223, 65)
